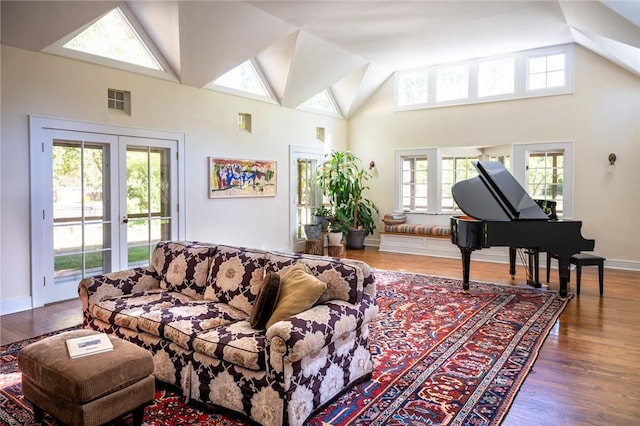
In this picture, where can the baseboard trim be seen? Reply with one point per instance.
(15, 305)
(442, 247)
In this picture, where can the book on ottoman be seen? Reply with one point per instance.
(89, 345)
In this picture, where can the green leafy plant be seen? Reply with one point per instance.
(339, 222)
(322, 211)
(343, 182)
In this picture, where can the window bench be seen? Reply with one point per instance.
(440, 231)
(413, 238)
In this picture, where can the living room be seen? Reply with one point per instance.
(600, 117)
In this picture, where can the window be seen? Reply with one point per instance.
(546, 71)
(504, 159)
(416, 180)
(455, 169)
(113, 37)
(424, 176)
(496, 77)
(322, 102)
(245, 78)
(414, 183)
(546, 176)
(539, 72)
(545, 170)
(115, 40)
(412, 88)
(452, 83)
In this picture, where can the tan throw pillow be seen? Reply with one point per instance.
(265, 301)
(299, 291)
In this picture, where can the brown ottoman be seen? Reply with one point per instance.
(90, 390)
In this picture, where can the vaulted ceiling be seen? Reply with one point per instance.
(351, 47)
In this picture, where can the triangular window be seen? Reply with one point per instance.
(322, 102)
(245, 78)
(113, 37)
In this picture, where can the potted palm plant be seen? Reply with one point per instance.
(343, 182)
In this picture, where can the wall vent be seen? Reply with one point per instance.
(119, 100)
(244, 122)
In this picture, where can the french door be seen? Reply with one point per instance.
(105, 199)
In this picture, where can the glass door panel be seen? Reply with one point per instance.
(305, 195)
(81, 228)
(81, 225)
(148, 207)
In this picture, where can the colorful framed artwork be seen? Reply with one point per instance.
(230, 177)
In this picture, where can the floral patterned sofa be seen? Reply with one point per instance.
(191, 308)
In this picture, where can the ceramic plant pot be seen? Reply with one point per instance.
(313, 231)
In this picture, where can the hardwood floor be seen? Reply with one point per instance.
(587, 372)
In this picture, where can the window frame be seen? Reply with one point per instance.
(166, 73)
(269, 98)
(413, 183)
(434, 189)
(520, 162)
(455, 158)
(521, 75)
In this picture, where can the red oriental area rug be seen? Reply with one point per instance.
(440, 358)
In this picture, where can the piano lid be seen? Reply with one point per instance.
(495, 195)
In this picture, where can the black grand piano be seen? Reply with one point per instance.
(499, 212)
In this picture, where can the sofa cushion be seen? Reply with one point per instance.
(344, 280)
(125, 311)
(181, 322)
(183, 266)
(236, 277)
(266, 301)
(369, 278)
(237, 343)
(299, 291)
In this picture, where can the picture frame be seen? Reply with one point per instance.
(233, 177)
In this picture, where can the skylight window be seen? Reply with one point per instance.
(245, 78)
(322, 102)
(113, 37)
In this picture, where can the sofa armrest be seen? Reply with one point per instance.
(308, 332)
(138, 280)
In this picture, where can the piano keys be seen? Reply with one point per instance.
(499, 212)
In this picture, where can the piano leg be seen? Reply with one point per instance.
(534, 268)
(466, 264)
(512, 262)
(563, 269)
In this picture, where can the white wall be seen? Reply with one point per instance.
(602, 116)
(50, 86)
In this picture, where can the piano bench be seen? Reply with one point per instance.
(580, 260)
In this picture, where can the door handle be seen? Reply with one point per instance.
(125, 220)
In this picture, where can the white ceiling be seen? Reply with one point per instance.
(351, 47)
